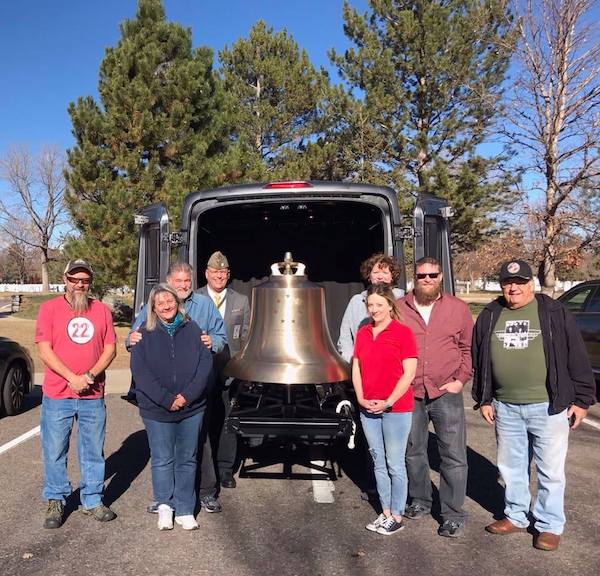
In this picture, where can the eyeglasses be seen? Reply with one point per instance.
(84, 281)
(219, 272)
(432, 275)
(515, 280)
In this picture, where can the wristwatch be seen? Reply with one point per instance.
(90, 375)
(387, 407)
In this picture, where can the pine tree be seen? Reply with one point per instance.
(426, 76)
(277, 97)
(156, 135)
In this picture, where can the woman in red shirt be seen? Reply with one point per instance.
(384, 365)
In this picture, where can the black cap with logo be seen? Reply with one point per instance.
(515, 269)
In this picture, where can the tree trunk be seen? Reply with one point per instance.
(547, 272)
(45, 278)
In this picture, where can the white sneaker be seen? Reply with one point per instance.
(187, 522)
(372, 526)
(165, 517)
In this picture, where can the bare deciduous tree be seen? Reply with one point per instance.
(33, 209)
(555, 125)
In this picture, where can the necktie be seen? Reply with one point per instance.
(217, 300)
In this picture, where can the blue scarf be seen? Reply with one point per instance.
(170, 327)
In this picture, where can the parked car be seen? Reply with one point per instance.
(583, 301)
(16, 373)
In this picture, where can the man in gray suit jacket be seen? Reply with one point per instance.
(235, 310)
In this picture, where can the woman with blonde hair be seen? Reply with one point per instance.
(383, 368)
(171, 368)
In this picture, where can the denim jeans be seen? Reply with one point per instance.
(447, 413)
(173, 451)
(55, 432)
(521, 430)
(386, 436)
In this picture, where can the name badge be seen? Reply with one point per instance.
(236, 331)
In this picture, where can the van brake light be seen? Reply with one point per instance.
(294, 184)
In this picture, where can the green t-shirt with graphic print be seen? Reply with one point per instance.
(518, 361)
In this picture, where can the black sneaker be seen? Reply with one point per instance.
(451, 529)
(390, 526)
(101, 513)
(416, 511)
(54, 514)
(210, 504)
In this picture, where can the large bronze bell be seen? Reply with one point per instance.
(288, 339)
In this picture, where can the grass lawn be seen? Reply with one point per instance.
(30, 305)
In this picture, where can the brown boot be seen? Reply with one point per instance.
(504, 526)
(547, 541)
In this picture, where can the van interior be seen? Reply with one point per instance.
(331, 238)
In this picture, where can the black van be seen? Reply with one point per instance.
(331, 227)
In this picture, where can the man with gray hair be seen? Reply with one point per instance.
(533, 382)
(198, 307)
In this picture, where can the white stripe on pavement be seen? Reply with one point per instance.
(22, 438)
(592, 423)
(322, 489)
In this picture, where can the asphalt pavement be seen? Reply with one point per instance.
(277, 526)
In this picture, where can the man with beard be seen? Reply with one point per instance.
(77, 342)
(203, 312)
(443, 327)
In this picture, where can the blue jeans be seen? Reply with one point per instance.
(386, 436)
(447, 413)
(522, 431)
(55, 432)
(173, 451)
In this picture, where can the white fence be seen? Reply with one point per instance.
(466, 287)
(30, 288)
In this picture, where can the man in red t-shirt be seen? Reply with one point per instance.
(77, 342)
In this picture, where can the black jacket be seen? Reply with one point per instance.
(569, 378)
(164, 366)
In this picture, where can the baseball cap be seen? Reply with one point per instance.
(78, 264)
(218, 261)
(515, 269)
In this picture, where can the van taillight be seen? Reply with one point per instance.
(295, 184)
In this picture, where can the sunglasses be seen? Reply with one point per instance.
(432, 275)
(84, 281)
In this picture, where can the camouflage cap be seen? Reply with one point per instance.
(217, 261)
(78, 264)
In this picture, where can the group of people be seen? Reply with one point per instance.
(411, 357)
(179, 345)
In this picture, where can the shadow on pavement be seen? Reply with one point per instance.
(125, 465)
(482, 483)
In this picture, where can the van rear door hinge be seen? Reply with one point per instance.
(404, 233)
(176, 238)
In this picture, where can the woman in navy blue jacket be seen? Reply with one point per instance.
(171, 368)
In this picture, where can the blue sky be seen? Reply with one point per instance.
(51, 50)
